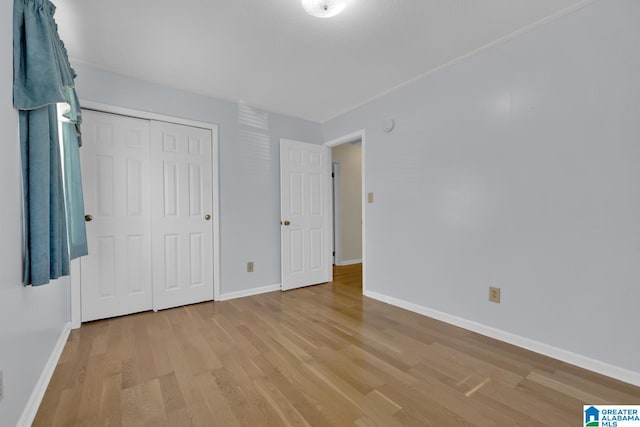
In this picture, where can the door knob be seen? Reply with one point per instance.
(88, 218)
(207, 217)
(287, 222)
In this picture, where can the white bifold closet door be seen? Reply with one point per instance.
(148, 199)
(181, 205)
(116, 275)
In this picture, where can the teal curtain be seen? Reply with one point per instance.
(43, 78)
(72, 140)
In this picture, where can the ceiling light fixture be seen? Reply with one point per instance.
(324, 8)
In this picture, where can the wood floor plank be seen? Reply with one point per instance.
(318, 356)
(216, 401)
(518, 403)
(288, 414)
(171, 393)
(110, 402)
(292, 394)
(237, 398)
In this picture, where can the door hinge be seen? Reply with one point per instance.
(333, 175)
(334, 253)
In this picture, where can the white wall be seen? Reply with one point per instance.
(350, 205)
(31, 319)
(249, 167)
(517, 167)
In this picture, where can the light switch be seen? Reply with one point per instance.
(370, 197)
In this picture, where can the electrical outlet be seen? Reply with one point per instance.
(494, 294)
(250, 267)
(1, 386)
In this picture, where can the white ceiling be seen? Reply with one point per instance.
(271, 54)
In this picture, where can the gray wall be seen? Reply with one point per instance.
(249, 167)
(31, 319)
(517, 167)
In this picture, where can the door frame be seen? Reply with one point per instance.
(346, 139)
(75, 296)
(335, 171)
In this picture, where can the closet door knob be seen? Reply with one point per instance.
(207, 217)
(88, 218)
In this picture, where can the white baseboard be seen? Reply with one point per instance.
(248, 292)
(30, 411)
(349, 262)
(594, 365)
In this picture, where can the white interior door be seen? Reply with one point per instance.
(182, 204)
(116, 275)
(305, 205)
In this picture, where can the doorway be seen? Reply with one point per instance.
(348, 166)
(347, 206)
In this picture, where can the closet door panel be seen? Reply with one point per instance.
(116, 275)
(182, 203)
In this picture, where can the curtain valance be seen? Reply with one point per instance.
(41, 65)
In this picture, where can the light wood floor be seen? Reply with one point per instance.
(317, 356)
